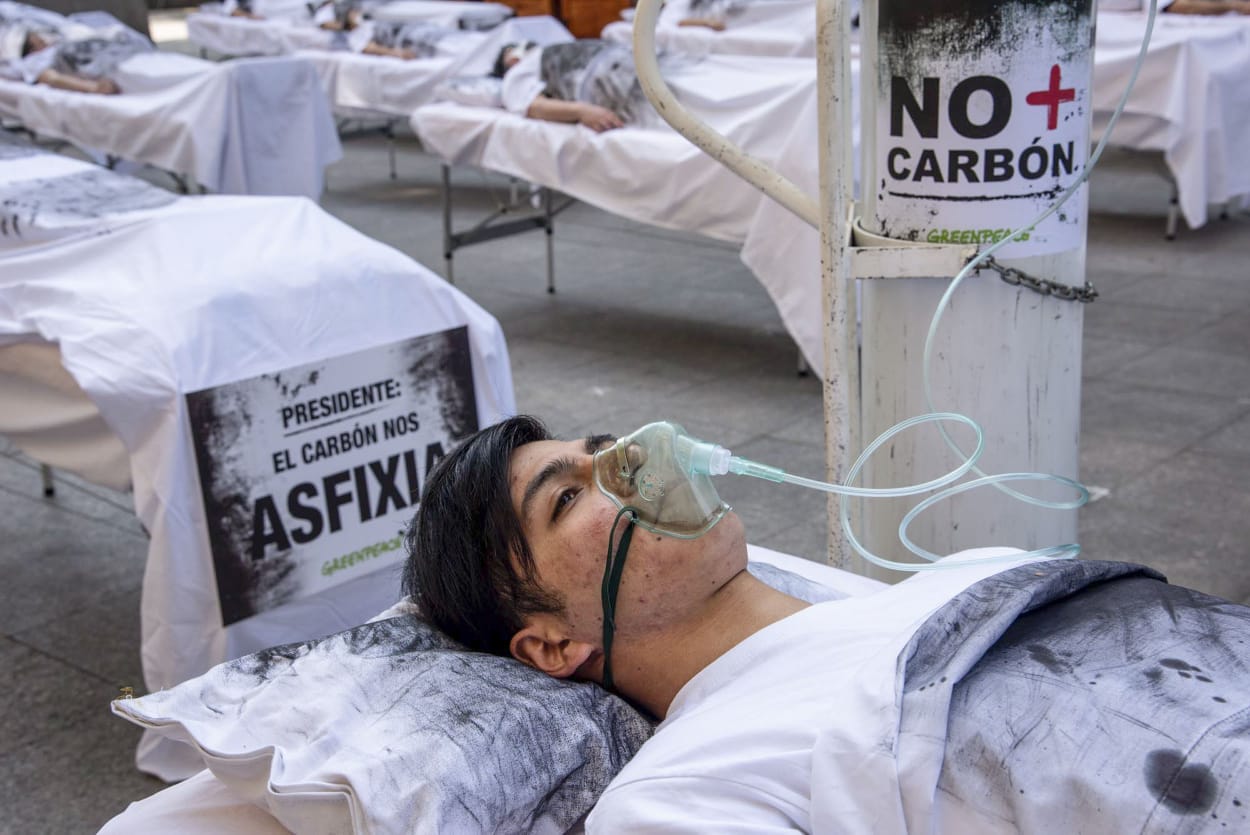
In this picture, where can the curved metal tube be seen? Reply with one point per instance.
(709, 141)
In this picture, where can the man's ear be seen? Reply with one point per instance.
(543, 645)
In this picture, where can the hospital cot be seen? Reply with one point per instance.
(254, 127)
(212, 28)
(368, 88)
(1190, 106)
(185, 294)
(653, 175)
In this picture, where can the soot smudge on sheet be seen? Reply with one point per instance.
(74, 198)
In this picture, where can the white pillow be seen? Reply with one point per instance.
(471, 90)
(392, 727)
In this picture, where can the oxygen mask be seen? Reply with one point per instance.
(664, 476)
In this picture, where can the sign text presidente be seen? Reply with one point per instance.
(374, 488)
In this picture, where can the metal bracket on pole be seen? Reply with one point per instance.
(879, 257)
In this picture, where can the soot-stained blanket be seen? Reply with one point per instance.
(1075, 696)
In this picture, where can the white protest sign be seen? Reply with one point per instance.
(309, 475)
(983, 121)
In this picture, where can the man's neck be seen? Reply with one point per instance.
(652, 669)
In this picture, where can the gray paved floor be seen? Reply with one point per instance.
(1166, 418)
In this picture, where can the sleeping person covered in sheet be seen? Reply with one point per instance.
(413, 40)
(590, 82)
(408, 40)
(41, 47)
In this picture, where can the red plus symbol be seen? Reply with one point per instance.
(1052, 97)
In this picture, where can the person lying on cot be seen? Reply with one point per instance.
(590, 82)
(409, 40)
(39, 49)
(344, 17)
(1035, 695)
(294, 10)
(405, 40)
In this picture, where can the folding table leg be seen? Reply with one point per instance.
(551, 250)
(448, 248)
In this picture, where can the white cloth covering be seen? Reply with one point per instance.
(203, 804)
(523, 83)
(248, 127)
(200, 805)
(197, 293)
(50, 418)
(785, 28)
(443, 12)
(790, 732)
(1191, 101)
(242, 36)
(379, 84)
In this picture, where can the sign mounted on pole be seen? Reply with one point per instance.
(983, 121)
(309, 475)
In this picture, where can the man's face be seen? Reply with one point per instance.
(567, 522)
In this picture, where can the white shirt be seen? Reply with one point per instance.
(813, 694)
(523, 82)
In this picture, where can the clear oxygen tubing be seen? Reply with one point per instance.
(743, 466)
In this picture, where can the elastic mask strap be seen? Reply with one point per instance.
(612, 570)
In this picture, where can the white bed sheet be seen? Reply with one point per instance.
(250, 127)
(778, 28)
(241, 36)
(191, 294)
(1191, 101)
(441, 12)
(211, 28)
(47, 415)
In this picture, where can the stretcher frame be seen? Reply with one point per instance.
(520, 218)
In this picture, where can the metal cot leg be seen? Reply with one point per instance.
(49, 486)
(448, 249)
(390, 148)
(1174, 215)
(551, 250)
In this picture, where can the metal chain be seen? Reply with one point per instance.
(1045, 286)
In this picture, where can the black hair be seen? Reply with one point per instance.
(28, 46)
(470, 569)
(500, 69)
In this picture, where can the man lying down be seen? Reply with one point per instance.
(587, 81)
(1042, 696)
(42, 47)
